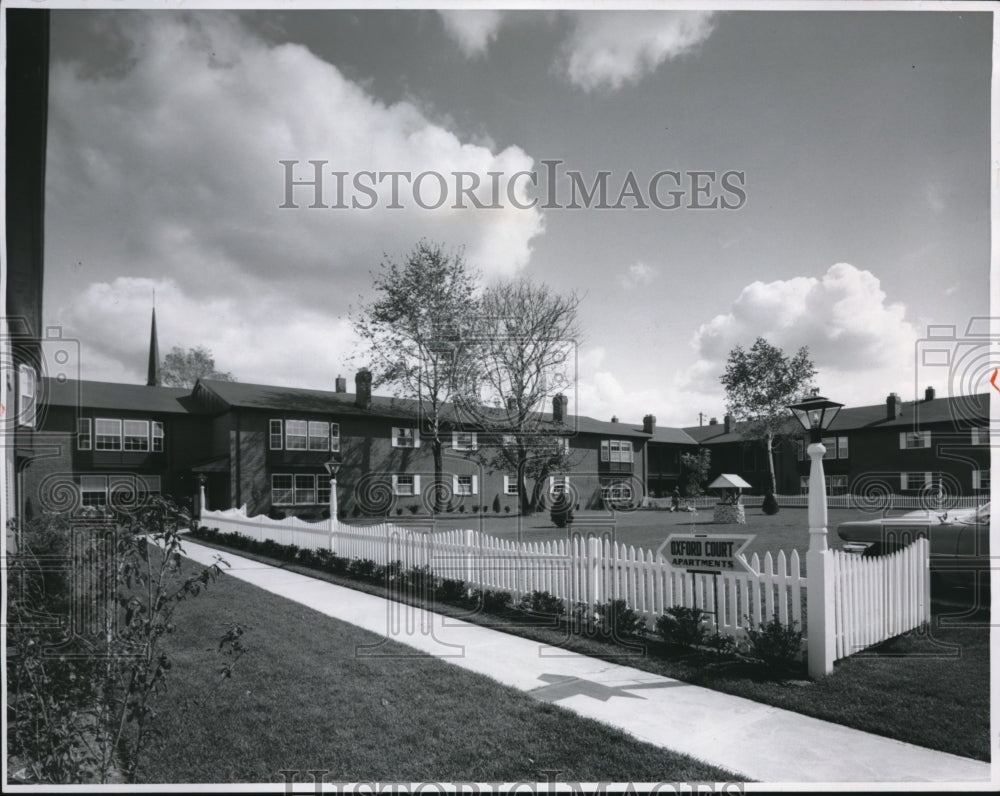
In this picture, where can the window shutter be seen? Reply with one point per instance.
(604, 450)
(975, 441)
(416, 438)
(454, 484)
(506, 484)
(927, 439)
(903, 481)
(394, 437)
(395, 484)
(902, 441)
(552, 484)
(416, 485)
(475, 441)
(475, 485)
(454, 439)
(975, 475)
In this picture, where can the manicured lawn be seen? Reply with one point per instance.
(787, 530)
(931, 689)
(301, 699)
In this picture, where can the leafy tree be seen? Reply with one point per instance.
(524, 343)
(183, 368)
(759, 385)
(694, 471)
(414, 332)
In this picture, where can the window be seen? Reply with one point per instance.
(296, 435)
(800, 450)
(914, 439)
(405, 438)
(84, 440)
(319, 435)
(109, 434)
(466, 485)
(835, 484)
(136, 435)
(94, 490)
(612, 450)
(282, 493)
(305, 489)
(157, 436)
(335, 437)
(617, 491)
(510, 484)
(558, 484)
(909, 481)
(464, 440)
(509, 440)
(981, 479)
(323, 490)
(980, 436)
(842, 449)
(26, 396)
(275, 435)
(405, 484)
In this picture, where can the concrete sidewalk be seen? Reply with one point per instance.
(760, 742)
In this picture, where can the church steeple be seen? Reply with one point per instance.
(153, 375)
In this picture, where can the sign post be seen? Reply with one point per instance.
(706, 554)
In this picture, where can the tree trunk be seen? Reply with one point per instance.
(772, 481)
(438, 472)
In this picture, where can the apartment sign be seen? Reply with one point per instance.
(706, 553)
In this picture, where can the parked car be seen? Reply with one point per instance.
(960, 539)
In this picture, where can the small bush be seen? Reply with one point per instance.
(414, 508)
(420, 581)
(492, 602)
(399, 510)
(722, 644)
(542, 602)
(776, 645)
(452, 590)
(607, 621)
(506, 509)
(361, 568)
(770, 504)
(561, 513)
(685, 626)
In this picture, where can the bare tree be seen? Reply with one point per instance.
(525, 343)
(414, 333)
(759, 384)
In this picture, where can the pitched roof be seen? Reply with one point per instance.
(297, 399)
(127, 397)
(958, 411)
(675, 435)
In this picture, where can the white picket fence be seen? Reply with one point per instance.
(873, 598)
(873, 503)
(880, 597)
(579, 569)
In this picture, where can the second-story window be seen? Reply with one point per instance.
(84, 440)
(914, 439)
(296, 435)
(108, 436)
(613, 450)
(463, 440)
(319, 435)
(335, 437)
(276, 435)
(136, 435)
(405, 437)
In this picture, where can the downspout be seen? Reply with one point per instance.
(239, 464)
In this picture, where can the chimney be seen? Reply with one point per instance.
(341, 384)
(614, 418)
(713, 422)
(893, 406)
(559, 404)
(728, 420)
(363, 388)
(648, 424)
(929, 394)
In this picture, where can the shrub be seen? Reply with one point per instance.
(452, 590)
(506, 509)
(542, 602)
(561, 512)
(770, 504)
(776, 645)
(399, 510)
(361, 568)
(722, 644)
(607, 621)
(420, 581)
(492, 602)
(414, 508)
(680, 625)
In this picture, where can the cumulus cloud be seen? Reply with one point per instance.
(473, 31)
(638, 275)
(169, 164)
(264, 339)
(861, 343)
(608, 49)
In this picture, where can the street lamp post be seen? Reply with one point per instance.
(816, 413)
(333, 467)
(202, 479)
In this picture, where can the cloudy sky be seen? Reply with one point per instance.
(862, 213)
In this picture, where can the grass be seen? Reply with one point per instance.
(302, 700)
(929, 689)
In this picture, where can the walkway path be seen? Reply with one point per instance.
(763, 743)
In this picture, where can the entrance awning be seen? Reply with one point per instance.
(220, 464)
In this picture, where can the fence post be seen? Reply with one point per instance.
(593, 569)
(469, 534)
(819, 573)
